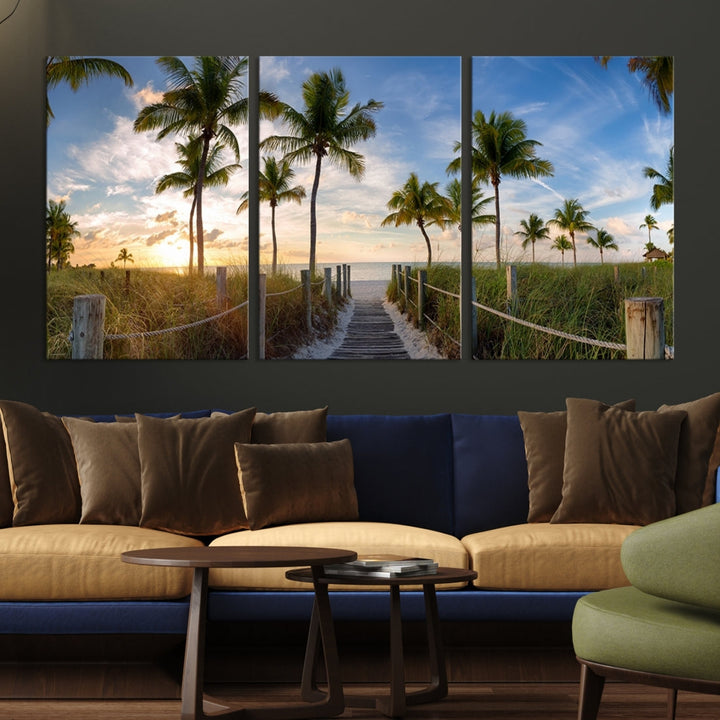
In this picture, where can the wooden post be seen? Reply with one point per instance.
(344, 275)
(88, 327)
(474, 317)
(645, 328)
(223, 300)
(328, 285)
(262, 313)
(339, 280)
(407, 287)
(127, 282)
(512, 296)
(422, 279)
(349, 289)
(307, 295)
(616, 274)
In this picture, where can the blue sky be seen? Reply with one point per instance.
(598, 127)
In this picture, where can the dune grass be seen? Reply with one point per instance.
(157, 300)
(585, 301)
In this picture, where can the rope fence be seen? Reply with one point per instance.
(87, 336)
(644, 317)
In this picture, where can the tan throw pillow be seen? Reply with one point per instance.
(697, 439)
(544, 436)
(297, 482)
(619, 465)
(41, 466)
(299, 426)
(108, 465)
(189, 480)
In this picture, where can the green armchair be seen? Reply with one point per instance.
(664, 629)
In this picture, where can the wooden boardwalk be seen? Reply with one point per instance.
(370, 334)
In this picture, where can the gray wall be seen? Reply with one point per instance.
(289, 27)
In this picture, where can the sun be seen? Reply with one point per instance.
(170, 253)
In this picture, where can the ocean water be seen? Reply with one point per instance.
(360, 270)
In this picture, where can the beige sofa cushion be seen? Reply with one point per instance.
(82, 562)
(365, 538)
(544, 556)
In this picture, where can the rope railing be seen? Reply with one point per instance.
(164, 331)
(444, 332)
(284, 292)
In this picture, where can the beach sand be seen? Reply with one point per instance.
(415, 341)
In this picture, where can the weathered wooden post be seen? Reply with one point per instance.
(345, 285)
(474, 317)
(616, 274)
(422, 279)
(88, 327)
(262, 313)
(349, 284)
(328, 285)
(339, 280)
(512, 296)
(407, 288)
(127, 282)
(307, 296)
(645, 328)
(223, 300)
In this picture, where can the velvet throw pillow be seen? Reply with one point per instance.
(544, 437)
(108, 466)
(295, 426)
(619, 465)
(189, 482)
(41, 466)
(697, 439)
(296, 482)
(6, 499)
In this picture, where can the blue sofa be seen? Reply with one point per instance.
(454, 474)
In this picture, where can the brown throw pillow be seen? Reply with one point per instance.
(6, 499)
(619, 465)
(544, 435)
(299, 426)
(189, 480)
(297, 482)
(697, 439)
(710, 492)
(41, 466)
(108, 465)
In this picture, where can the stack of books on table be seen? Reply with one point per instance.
(383, 566)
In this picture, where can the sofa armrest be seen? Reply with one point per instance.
(678, 558)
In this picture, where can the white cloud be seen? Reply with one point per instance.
(145, 96)
(119, 190)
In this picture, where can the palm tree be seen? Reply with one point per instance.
(534, 228)
(77, 71)
(325, 128)
(562, 244)
(658, 76)
(274, 186)
(60, 229)
(572, 218)
(186, 179)
(603, 241)
(651, 224)
(124, 256)
(663, 192)
(501, 147)
(419, 204)
(203, 102)
(454, 195)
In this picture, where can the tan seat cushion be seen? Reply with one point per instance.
(365, 538)
(82, 562)
(544, 556)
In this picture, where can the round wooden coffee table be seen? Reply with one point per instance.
(393, 705)
(194, 705)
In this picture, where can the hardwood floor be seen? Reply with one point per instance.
(466, 701)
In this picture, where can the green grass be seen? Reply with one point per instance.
(585, 301)
(155, 300)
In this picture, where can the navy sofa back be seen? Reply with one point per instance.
(457, 474)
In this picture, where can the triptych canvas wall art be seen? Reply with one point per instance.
(149, 253)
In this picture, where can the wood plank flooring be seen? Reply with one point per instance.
(466, 701)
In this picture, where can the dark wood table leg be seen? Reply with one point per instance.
(194, 667)
(394, 704)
